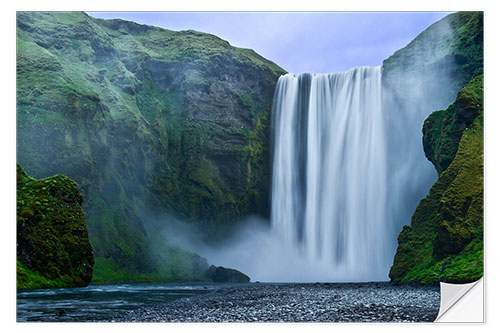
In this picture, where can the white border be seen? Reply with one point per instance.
(492, 108)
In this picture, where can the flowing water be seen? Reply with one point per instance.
(329, 173)
(101, 302)
(348, 172)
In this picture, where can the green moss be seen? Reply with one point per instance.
(53, 248)
(452, 46)
(445, 240)
(254, 58)
(171, 264)
(106, 270)
(247, 101)
(443, 129)
(135, 115)
(194, 182)
(28, 279)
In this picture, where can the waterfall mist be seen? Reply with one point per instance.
(348, 172)
(328, 217)
(349, 167)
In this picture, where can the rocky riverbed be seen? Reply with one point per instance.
(319, 302)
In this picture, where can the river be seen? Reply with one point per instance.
(101, 302)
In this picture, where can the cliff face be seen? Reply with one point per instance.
(422, 77)
(445, 239)
(440, 61)
(53, 248)
(144, 120)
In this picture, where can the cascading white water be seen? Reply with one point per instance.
(348, 173)
(329, 171)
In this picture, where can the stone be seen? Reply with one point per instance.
(228, 275)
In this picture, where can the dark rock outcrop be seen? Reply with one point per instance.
(442, 130)
(422, 77)
(445, 239)
(441, 66)
(53, 248)
(199, 265)
(222, 274)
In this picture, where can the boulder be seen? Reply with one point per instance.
(53, 248)
(221, 274)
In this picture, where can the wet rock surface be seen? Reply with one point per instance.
(319, 302)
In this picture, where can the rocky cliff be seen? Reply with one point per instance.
(445, 239)
(422, 77)
(426, 75)
(153, 123)
(439, 61)
(53, 248)
(147, 121)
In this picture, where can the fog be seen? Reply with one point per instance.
(342, 218)
(263, 254)
(424, 86)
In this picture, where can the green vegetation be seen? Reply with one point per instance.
(150, 122)
(457, 37)
(452, 47)
(445, 239)
(53, 248)
(443, 129)
(443, 64)
(144, 120)
(28, 279)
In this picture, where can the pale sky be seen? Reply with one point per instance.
(316, 42)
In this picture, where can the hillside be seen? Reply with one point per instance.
(148, 122)
(445, 239)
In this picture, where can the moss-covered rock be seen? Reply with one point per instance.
(424, 76)
(53, 248)
(445, 239)
(144, 119)
(439, 61)
(443, 129)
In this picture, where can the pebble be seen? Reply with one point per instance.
(342, 302)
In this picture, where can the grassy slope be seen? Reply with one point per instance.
(135, 115)
(445, 239)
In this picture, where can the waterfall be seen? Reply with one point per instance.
(348, 172)
(329, 171)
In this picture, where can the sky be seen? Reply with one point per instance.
(314, 42)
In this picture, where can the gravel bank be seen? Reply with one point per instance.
(319, 302)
